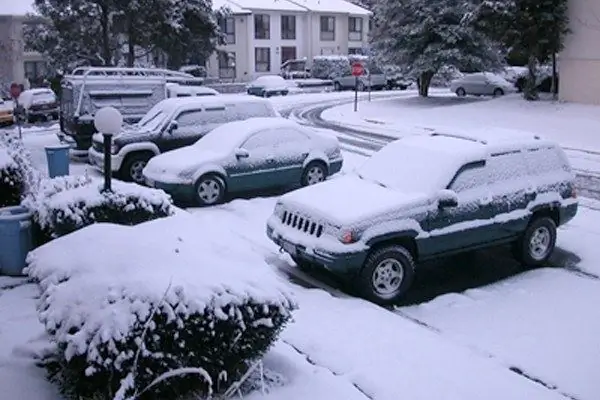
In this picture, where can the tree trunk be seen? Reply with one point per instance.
(130, 43)
(554, 78)
(105, 24)
(423, 83)
(530, 91)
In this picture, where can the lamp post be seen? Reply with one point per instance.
(108, 121)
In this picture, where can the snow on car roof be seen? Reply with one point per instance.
(173, 103)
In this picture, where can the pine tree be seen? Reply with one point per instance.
(533, 27)
(421, 36)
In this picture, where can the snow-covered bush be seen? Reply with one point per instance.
(179, 300)
(12, 181)
(16, 150)
(330, 67)
(65, 204)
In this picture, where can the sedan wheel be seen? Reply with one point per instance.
(314, 173)
(460, 92)
(210, 190)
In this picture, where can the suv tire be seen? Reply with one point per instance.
(460, 92)
(315, 172)
(537, 243)
(386, 275)
(131, 170)
(209, 190)
(498, 92)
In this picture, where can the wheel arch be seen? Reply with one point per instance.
(406, 239)
(212, 169)
(551, 211)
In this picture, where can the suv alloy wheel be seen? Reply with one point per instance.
(133, 167)
(537, 243)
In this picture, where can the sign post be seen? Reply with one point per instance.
(15, 92)
(357, 70)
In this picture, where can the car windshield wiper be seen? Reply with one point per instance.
(372, 180)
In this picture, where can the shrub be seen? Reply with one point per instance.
(13, 145)
(330, 67)
(12, 181)
(126, 305)
(65, 204)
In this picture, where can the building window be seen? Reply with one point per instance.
(34, 69)
(288, 27)
(288, 53)
(227, 26)
(262, 26)
(262, 59)
(226, 65)
(355, 50)
(327, 28)
(355, 29)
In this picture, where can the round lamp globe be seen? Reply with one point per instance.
(108, 120)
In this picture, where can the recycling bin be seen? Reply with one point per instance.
(58, 160)
(16, 239)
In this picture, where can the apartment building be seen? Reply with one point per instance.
(262, 34)
(579, 73)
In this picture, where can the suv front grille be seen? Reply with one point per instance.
(301, 223)
(99, 147)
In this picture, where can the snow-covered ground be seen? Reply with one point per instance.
(535, 335)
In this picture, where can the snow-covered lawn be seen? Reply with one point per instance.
(545, 324)
(572, 125)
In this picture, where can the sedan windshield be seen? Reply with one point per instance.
(407, 168)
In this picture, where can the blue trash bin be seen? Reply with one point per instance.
(16, 239)
(58, 160)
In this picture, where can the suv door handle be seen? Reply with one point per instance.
(270, 160)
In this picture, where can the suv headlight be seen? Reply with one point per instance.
(278, 210)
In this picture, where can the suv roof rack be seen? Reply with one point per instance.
(460, 136)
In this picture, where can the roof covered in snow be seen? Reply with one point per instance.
(332, 6)
(18, 7)
(274, 5)
(229, 5)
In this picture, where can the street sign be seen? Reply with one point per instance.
(357, 69)
(15, 90)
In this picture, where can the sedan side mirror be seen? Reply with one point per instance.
(241, 153)
(447, 199)
(173, 126)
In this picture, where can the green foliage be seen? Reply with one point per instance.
(421, 36)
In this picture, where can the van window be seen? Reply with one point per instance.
(506, 166)
(543, 160)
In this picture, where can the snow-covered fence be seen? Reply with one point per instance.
(127, 305)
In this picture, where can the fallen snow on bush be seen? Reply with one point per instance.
(102, 284)
(5, 159)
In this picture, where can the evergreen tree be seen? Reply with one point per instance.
(421, 36)
(535, 28)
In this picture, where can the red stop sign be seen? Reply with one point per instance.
(15, 90)
(357, 69)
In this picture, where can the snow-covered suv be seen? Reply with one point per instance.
(427, 196)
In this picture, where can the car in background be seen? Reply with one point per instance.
(448, 193)
(481, 84)
(40, 104)
(268, 85)
(171, 124)
(6, 112)
(177, 90)
(295, 69)
(242, 156)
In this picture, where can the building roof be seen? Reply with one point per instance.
(332, 6)
(16, 7)
(271, 5)
(229, 5)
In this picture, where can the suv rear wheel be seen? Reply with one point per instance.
(537, 243)
(387, 274)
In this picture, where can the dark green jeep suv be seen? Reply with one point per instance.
(428, 196)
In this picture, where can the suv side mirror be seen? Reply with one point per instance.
(447, 199)
(241, 153)
(173, 125)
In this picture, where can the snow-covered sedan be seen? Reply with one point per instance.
(481, 84)
(268, 85)
(253, 154)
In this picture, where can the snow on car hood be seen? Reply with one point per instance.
(349, 199)
(173, 163)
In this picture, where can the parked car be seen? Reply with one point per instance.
(481, 84)
(268, 85)
(242, 156)
(39, 104)
(171, 124)
(448, 193)
(132, 91)
(373, 78)
(6, 112)
(295, 69)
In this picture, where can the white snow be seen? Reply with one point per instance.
(17, 8)
(270, 5)
(270, 82)
(230, 6)
(5, 159)
(332, 6)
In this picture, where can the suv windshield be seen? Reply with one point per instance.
(152, 120)
(421, 171)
